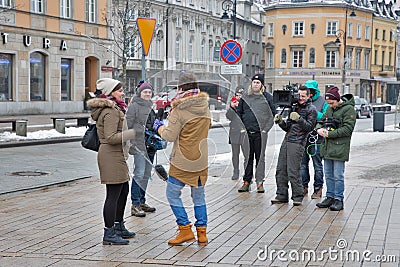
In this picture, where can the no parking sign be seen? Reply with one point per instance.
(231, 52)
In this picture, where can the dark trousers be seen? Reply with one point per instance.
(288, 170)
(313, 152)
(235, 158)
(114, 205)
(254, 147)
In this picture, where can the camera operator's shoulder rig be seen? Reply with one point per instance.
(286, 98)
(330, 123)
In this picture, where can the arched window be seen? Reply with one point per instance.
(178, 48)
(190, 49)
(283, 55)
(37, 79)
(312, 55)
(203, 50)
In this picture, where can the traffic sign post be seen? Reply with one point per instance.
(231, 52)
(146, 28)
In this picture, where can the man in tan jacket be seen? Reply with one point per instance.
(188, 125)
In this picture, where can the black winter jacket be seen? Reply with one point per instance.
(297, 132)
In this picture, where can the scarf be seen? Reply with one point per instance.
(120, 103)
(187, 93)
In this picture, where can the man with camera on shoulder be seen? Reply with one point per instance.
(301, 121)
(336, 127)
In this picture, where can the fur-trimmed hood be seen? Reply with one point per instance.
(196, 103)
(98, 104)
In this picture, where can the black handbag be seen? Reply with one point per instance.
(154, 141)
(91, 139)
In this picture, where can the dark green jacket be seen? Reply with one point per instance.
(337, 145)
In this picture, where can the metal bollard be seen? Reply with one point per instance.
(21, 128)
(60, 125)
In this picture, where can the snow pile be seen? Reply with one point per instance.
(43, 134)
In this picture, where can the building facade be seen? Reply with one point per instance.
(331, 42)
(51, 54)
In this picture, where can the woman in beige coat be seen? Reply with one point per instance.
(109, 113)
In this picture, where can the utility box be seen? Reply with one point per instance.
(379, 121)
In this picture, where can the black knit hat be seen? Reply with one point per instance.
(259, 77)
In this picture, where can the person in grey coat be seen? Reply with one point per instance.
(236, 132)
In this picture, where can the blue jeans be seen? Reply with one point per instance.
(141, 176)
(334, 175)
(174, 191)
(318, 168)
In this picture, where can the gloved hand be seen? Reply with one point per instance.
(128, 135)
(294, 116)
(157, 124)
(278, 118)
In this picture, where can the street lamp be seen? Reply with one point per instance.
(226, 6)
(343, 34)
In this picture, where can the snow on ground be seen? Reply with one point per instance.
(43, 134)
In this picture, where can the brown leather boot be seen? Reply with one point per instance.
(201, 235)
(185, 235)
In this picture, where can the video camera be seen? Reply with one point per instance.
(287, 97)
(330, 123)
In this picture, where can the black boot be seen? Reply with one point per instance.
(121, 230)
(326, 203)
(338, 205)
(110, 238)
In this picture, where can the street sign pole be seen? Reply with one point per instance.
(146, 28)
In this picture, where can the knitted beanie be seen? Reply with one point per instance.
(107, 85)
(144, 86)
(332, 94)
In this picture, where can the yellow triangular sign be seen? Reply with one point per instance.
(146, 30)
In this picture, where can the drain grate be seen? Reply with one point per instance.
(30, 173)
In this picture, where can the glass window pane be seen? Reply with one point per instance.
(66, 65)
(6, 62)
(37, 82)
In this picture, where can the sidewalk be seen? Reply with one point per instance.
(62, 226)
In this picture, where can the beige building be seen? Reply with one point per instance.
(51, 54)
(331, 42)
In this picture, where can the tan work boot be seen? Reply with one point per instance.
(185, 235)
(201, 235)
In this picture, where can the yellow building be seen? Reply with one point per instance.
(326, 41)
(51, 53)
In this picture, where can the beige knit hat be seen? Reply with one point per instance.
(107, 85)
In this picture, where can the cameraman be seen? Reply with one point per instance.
(336, 148)
(313, 145)
(302, 119)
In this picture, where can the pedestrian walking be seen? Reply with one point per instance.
(108, 110)
(256, 114)
(188, 125)
(313, 145)
(301, 122)
(140, 117)
(337, 128)
(236, 132)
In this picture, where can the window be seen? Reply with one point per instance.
(366, 60)
(217, 49)
(91, 11)
(283, 56)
(37, 71)
(5, 3)
(297, 59)
(349, 56)
(270, 59)
(203, 50)
(131, 49)
(376, 34)
(312, 56)
(270, 30)
(359, 31)
(178, 48)
(391, 36)
(131, 14)
(390, 58)
(298, 28)
(190, 50)
(330, 59)
(158, 49)
(66, 65)
(37, 6)
(210, 50)
(331, 28)
(383, 35)
(376, 57)
(65, 6)
(6, 77)
(350, 29)
(367, 32)
(178, 21)
(358, 59)
(383, 59)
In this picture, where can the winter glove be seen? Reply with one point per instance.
(278, 118)
(157, 124)
(294, 116)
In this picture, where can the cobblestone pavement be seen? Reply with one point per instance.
(62, 225)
